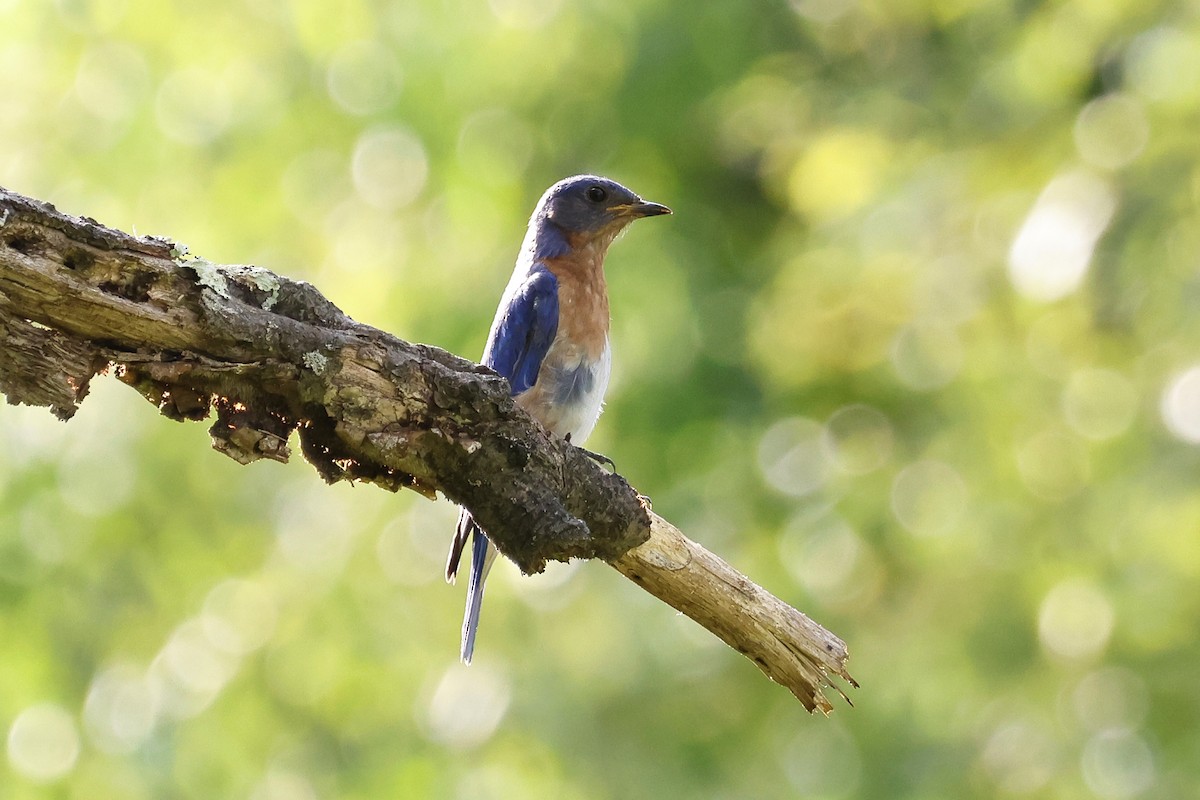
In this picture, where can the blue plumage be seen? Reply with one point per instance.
(525, 327)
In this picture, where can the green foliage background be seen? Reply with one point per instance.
(917, 352)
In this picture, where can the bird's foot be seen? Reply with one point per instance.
(599, 458)
(645, 501)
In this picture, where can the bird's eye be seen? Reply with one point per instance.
(597, 194)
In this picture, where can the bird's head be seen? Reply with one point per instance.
(586, 209)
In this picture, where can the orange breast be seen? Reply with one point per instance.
(583, 315)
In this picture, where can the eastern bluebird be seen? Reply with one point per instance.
(550, 334)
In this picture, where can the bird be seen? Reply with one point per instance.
(549, 337)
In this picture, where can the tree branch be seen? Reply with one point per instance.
(271, 356)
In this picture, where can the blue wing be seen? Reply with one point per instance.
(525, 325)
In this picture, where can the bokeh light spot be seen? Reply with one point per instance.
(858, 439)
(283, 784)
(1053, 249)
(1020, 757)
(1118, 764)
(822, 763)
(313, 531)
(239, 615)
(43, 743)
(121, 709)
(399, 557)
(1111, 697)
(389, 167)
(1111, 131)
(1052, 58)
(839, 172)
(554, 588)
(1181, 405)
(467, 705)
(791, 456)
(1164, 66)
(365, 242)
(363, 77)
(825, 555)
(190, 672)
(929, 497)
(112, 80)
(526, 14)
(1075, 620)
(193, 106)
(822, 11)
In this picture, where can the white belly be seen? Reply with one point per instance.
(581, 411)
(569, 392)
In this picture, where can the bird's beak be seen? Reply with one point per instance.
(643, 208)
(640, 208)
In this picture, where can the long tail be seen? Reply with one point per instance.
(482, 555)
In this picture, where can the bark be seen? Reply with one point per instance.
(268, 357)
